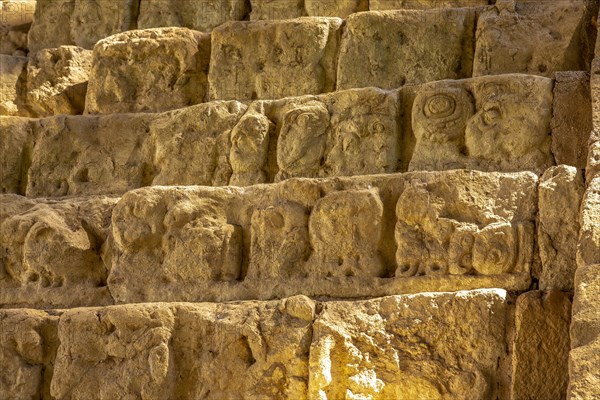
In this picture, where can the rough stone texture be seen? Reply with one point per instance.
(381, 5)
(286, 9)
(524, 36)
(584, 359)
(571, 118)
(57, 81)
(200, 15)
(12, 76)
(588, 250)
(216, 244)
(191, 146)
(388, 49)
(334, 8)
(14, 136)
(28, 343)
(541, 346)
(15, 20)
(487, 123)
(593, 163)
(51, 25)
(53, 253)
(148, 70)
(427, 346)
(86, 155)
(94, 20)
(273, 59)
(560, 192)
(185, 351)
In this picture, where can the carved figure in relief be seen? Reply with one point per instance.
(439, 120)
(199, 244)
(302, 141)
(359, 146)
(249, 147)
(279, 241)
(344, 230)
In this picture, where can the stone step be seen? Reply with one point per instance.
(247, 60)
(496, 123)
(444, 345)
(335, 238)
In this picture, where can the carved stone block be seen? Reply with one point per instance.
(198, 15)
(52, 252)
(489, 123)
(12, 82)
(588, 249)
(51, 25)
(15, 133)
(276, 9)
(148, 70)
(273, 59)
(523, 37)
(386, 349)
(380, 5)
(388, 49)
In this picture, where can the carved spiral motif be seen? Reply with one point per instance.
(439, 106)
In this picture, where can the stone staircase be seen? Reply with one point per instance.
(299, 199)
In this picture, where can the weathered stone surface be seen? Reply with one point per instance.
(487, 123)
(51, 25)
(352, 132)
(148, 70)
(12, 77)
(200, 15)
(584, 359)
(185, 351)
(299, 236)
(273, 59)
(390, 48)
(15, 19)
(380, 5)
(28, 343)
(276, 9)
(560, 192)
(15, 133)
(571, 118)
(427, 346)
(541, 346)
(588, 250)
(86, 155)
(94, 20)
(57, 81)
(334, 8)
(593, 162)
(53, 252)
(523, 36)
(192, 146)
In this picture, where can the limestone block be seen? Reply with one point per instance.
(88, 155)
(28, 343)
(571, 118)
(57, 80)
(148, 70)
(436, 235)
(381, 5)
(560, 192)
(388, 49)
(51, 25)
(53, 252)
(273, 59)
(15, 20)
(541, 345)
(588, 250)
(15, 133)
(198, 15)
(584, 359)
(335, 237)
(524, 37)
(277, 9)
(12, 77)
(191, 146)
(410, 347)
(487, 123)
(94, 20)
(351, 132)
(185, 351)
(334, 8)
(593, 162)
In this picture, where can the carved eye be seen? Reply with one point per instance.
(439, 106)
